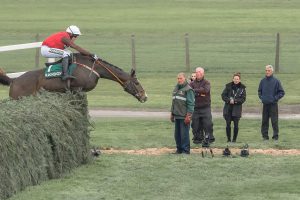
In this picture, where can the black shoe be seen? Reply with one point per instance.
(233, 140)
(228, 140)
(265, 139)
(212, 140)
(275, 138)
(186, 152)
(177, 152)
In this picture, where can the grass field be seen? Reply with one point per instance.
(147, 133)
(225, 36)
(122, 176)
(175, 177)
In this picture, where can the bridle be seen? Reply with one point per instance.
(92, 69)
(127, 85)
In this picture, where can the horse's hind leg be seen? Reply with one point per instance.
(19, 89)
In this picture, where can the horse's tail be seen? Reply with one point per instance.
(4, 79)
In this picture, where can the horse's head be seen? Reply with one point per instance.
(109, 71)
(133, 87)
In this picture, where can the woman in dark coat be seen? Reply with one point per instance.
(234, 95)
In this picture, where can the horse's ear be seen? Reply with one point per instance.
(2, 72)
(132, 74)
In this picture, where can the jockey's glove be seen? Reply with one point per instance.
(94, 56)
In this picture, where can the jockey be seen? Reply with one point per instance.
(55, 46)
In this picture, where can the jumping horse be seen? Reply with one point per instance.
(87, 74)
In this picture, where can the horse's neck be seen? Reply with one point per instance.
(105, 69)
(111, 72)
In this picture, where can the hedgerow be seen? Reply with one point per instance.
(42, 137)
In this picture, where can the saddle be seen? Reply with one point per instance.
(55, 69)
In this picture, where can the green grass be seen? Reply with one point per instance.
(122, 176)
(175, 177)
(148, 133)
(225, 36)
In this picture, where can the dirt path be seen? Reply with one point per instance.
(285, 112)
(159, 114)
(234, 151)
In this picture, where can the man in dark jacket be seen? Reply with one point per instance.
(269, 92)
(202, 117)
(181, 112)
(234, 95)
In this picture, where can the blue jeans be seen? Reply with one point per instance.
(182, 136)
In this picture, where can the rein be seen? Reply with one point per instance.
(85, 66)
(119, 80)
(97, 74)
(126, 85)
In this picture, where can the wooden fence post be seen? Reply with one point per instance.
(37, 52)
(133, 52)
(187, 52)
(277, 53)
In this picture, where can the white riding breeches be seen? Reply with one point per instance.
(54, 53)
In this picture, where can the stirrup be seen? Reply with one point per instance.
(68, 77)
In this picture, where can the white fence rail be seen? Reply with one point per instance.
(19, 47)
(14, 75)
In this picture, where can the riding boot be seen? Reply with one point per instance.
(228, 133)
(235, 134)
(65, 65)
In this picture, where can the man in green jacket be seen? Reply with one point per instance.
(181, 112)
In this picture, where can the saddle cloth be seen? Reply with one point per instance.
(55, 70)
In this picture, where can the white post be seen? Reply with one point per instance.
(22, 46)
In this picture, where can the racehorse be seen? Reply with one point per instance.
(87, 74)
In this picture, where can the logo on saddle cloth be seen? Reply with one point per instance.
(55, 70)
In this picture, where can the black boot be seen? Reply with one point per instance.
(228, 133)
(65, 65)
(235, 134)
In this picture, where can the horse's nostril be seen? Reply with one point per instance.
(145, 99)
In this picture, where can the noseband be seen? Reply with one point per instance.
(129, 87)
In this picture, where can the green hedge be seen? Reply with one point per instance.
(41, 137)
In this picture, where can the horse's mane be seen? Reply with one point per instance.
(77, 55)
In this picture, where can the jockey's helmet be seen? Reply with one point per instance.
(74, 30)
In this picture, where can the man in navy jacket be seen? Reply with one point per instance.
(269, 92)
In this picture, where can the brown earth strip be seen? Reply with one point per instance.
(234, 151)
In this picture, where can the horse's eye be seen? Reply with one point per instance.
(135, 81)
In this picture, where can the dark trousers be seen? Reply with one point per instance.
(202, 122)
(182, 136)
(235, 120)
(269, 111)
(198, 130)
